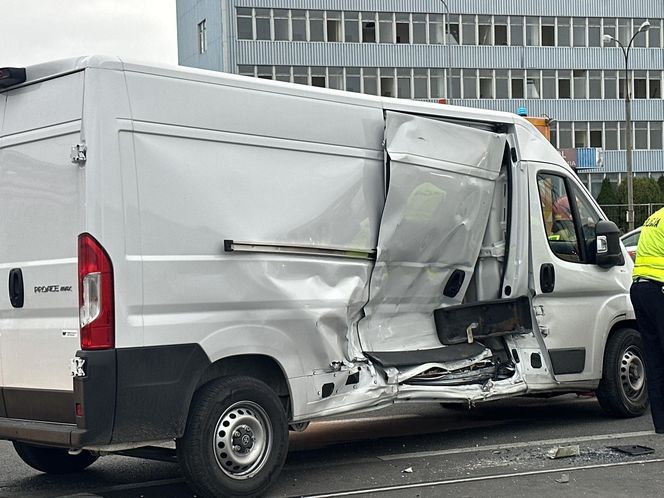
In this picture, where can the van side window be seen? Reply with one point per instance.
(569, 220)
(588, 218)
(558, 217)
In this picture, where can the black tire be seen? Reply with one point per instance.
(230, 413)
(53, 460)
(622, 392)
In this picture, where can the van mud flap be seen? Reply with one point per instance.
(447, 366)
(468, 322)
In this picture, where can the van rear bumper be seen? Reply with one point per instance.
(128, 395)
(48, 433)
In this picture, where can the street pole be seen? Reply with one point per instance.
(628, 120)
(628, 138)
(448, 33)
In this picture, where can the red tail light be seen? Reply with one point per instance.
(95, 295)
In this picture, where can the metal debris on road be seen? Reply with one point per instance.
(409, 470)
(633, 449)
(563, 451)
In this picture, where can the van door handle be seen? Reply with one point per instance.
(16, 294)
(547, 278)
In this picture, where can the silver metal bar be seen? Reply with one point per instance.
(299, 250)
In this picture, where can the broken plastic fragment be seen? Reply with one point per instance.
(563, 451)
(564, 479)
(409, 470)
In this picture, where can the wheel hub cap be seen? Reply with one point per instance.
(632, 374)
(242, 440)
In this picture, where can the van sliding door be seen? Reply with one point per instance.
(441, 180)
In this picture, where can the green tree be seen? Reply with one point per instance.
(607, 195)
(660, 182)
(646, 191)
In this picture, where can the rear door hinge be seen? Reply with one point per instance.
(79, 154)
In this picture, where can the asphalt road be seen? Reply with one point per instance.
(499, 449)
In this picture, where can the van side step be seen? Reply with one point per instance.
(458, 352)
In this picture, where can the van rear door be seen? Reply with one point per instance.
(41, 204)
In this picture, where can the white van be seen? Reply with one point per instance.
(210, 258)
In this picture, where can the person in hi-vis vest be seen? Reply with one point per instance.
(647, 294)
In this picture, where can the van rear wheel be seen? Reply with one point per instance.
(236, 439)
(622, 391)
(53, 460)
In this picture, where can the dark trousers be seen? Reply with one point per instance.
(648, 301)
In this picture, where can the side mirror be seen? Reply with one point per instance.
(609, 250)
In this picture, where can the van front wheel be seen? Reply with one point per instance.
(53, 460)
(622, 391)
(236, 438)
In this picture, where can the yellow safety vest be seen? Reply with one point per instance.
(650, 249)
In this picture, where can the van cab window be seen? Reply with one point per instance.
(569, 219)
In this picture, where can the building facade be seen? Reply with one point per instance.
(496, 54)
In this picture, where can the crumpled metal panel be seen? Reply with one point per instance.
(441, 184)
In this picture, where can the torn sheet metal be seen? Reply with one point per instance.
(434, 220)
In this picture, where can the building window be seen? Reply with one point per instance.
(353, 80)
(318, 77)
(564, 85)
(548, 84)
(596, 134)
(438, 83)
(421, 83)
(656, 135)
(419, 28)
(610, 85)
(640, 134)
(654, 34)
(655, 85)
(281, 25)
(263, 24)
(245, 29)
(484, 30)
(403, 83)
(300, 75)
(437, 29)
(640, 80)
(351, 27)
(316, 25)
(246, 71)
(469, 84)
(468, 30)
(594, 32)
(579, 31)
(387, 83)
(516, 31)
(403, 28)
(532, 31)
(595, 84)
(548, 32)
(283, 73)
(533, 85)
(385, 28)
(265, 72)
(486, 84)
(563, 32)
(517, 84)
(502, 84)
(334, 26)
(368, 27)
(335, 78)
(370, 80)
(500, 30)
(579, 84)
(299, 25)
(611, 135)
(202, 37)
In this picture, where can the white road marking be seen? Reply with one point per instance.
(506, 446)
(432, 484)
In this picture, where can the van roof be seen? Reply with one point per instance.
(52, 69)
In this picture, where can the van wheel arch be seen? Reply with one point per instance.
(261, 367)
